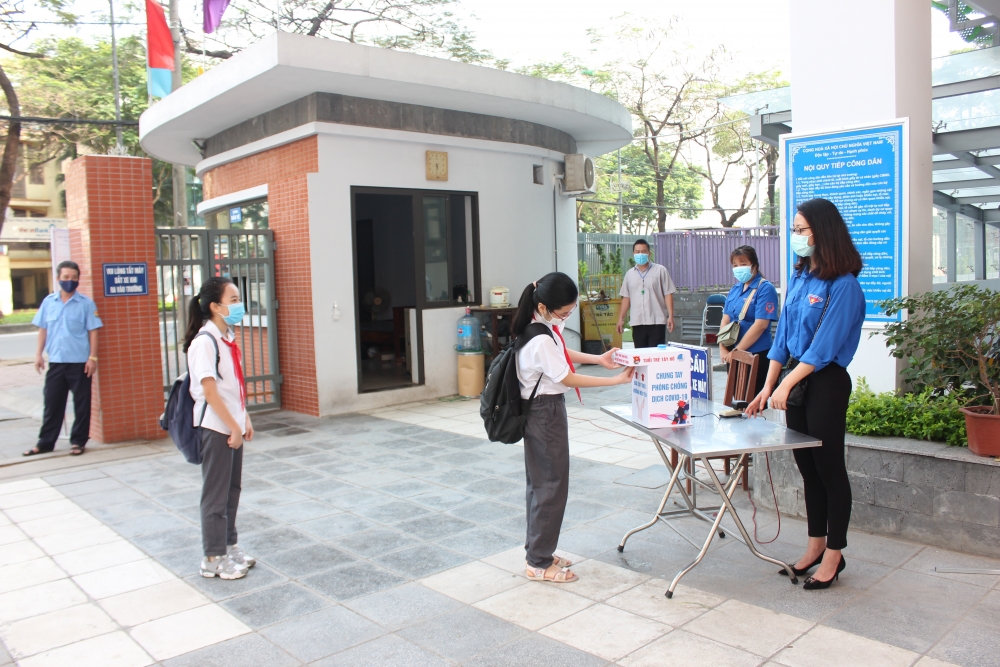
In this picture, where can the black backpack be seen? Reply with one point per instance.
(178, 416)
(500, 403)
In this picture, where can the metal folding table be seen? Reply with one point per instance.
(710, 436)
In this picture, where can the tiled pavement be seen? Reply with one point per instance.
(393, 539)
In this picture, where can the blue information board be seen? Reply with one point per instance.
(861, 171)
(125, 280)
(701, 370)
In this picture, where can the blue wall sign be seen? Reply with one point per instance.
(701, 371)
(125, 280)
(235, 215)
(861, 171)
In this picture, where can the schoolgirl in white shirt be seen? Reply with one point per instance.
(216, 372)
(545, 361)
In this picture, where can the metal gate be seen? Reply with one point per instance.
(185, 258)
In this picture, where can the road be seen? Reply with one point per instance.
(18, 345)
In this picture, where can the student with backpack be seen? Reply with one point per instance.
(545, 372)
(219, 391)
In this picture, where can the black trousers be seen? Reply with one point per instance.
(546, 467)
(649, 335)
(59, 381)
(221, 483)
(823, 415)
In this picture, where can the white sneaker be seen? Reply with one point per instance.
(237, 556)
(223, 567)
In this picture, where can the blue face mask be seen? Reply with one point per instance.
(742, 273)
(641, 258)
(69, 286)
(236, 313)
(800, 245)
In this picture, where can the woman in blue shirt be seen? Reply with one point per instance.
(818, 334)
(755, 327)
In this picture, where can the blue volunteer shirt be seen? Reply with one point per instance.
(67, 327)
(839, 334)
(763, 307)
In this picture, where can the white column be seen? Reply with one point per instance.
(860, 62)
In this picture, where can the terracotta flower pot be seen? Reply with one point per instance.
(982, 430)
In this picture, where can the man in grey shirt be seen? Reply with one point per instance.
(648, 291)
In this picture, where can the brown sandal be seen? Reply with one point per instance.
(563, 576)
(75, 450)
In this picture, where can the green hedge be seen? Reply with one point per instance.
(923, 416)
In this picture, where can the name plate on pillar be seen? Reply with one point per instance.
(125, 279)
(863, 172)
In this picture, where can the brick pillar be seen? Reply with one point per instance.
(110, 212)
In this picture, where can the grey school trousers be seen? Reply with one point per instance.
(221, 475)
(546, 465)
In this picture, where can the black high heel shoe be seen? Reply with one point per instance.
(813, 584)
(798, 572)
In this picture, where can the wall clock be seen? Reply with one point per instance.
(437, 166)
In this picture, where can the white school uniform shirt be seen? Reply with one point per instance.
(201, 364)
(542, 356)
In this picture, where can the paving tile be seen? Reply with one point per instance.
(648, 599)
(435, 526)
(55, 629)
(376, 541)
(73, 477)
(149, 524)
(41, 599)
(28, 573)
(409, 487)
(355, 497)
(8, 488)
(463, 634)
(86, 487)
(277, 539)
(442, 500)
(323, 633)
(298, 512)
(331, 527)
(98, 557)
(690, 650)
(260, 576)
(480, 542)
(931, 557)
(153, 602)
(186, 631)
(588, 541)
(124, 511)
(251, 521)
(402, 606)
(272, 498)
(42, 510)
(605, 631)
(183, 562)
(122, 578)
(115, 649)
(11, 534)
(168, 540)
(473, 582)
(752, 629)
(927, 661)
(19, 552)
(487, 511)
(295, 477)
(245, 651)
(58, 524)
(970, 644)
(599, 581)
(275, 604)
(534, 606)
(493, 487)
(311, 559)
(388, 650)
(392, 512)
(828, 647)
(43, 494)
(321, 488)
(373, 477)
(535, 650)
(352, 581)
(421, 560)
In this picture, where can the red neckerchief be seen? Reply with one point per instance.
(234, 351)
(572, 369)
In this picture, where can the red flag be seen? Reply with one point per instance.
(159, 41)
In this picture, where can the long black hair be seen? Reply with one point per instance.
(835, 253)
(750, 254)
(555, 290)
(200, 308)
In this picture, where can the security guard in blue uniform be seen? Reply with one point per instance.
(818, 335)
(67, 329)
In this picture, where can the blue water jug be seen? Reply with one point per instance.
(468, 332)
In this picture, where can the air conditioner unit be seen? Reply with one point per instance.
(580, 177)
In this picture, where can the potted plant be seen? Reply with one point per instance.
(950, 341)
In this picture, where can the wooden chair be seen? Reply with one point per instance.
(741, 384)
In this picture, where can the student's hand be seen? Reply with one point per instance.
(670, 324)
(90, 368)
(607, 361)
(759, 404)
(724, 354)
(39, 364)
(779, 399)
(625, 376)
(235, 439)
(621, 326)
(248, 435)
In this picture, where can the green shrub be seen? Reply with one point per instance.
(924, 416)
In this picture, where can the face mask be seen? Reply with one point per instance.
(742, 273)
(800, 245)
(236, 313)
(556, 318)
(641, 258)
(69, 286)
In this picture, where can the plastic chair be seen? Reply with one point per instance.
(711, 317)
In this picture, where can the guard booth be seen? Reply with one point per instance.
(398, 189)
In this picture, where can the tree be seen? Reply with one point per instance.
(410, 25)
(73, 80)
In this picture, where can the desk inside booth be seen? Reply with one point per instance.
(497, 334)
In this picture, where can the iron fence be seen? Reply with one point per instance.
(699, 259)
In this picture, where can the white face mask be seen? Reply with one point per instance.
(800, 245)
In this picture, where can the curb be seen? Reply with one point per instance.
(17, 328)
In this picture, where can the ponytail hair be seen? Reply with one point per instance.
(556, 290)
(200, 308)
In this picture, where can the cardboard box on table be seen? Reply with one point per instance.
(661, 386)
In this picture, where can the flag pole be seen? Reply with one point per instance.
(114, 69)
(179, 171)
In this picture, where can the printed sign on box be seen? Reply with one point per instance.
(661, 386)
(125, 280)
